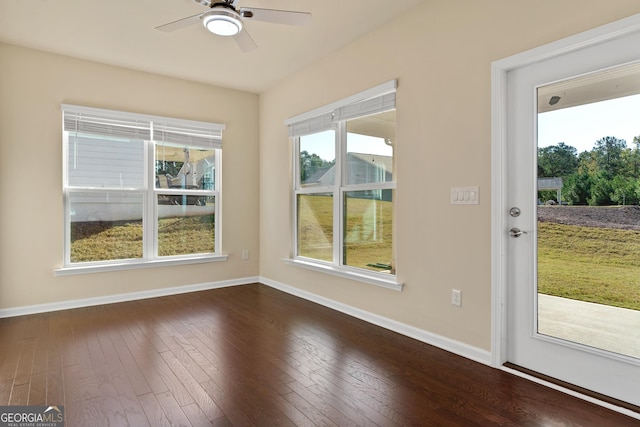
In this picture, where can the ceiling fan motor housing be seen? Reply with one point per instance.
(222, 19)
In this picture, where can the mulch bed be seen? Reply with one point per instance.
(620, 217)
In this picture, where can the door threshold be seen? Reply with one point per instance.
(590, 393)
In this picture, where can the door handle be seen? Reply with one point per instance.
(516, 232)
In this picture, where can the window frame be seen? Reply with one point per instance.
(148, 190)
(314, 122)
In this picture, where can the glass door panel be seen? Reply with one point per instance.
(588, 216)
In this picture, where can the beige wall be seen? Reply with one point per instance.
(33, 84)
(441, 53)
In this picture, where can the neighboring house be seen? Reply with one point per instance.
(361, 168)
(196, 172)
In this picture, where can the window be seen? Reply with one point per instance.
(139, 189)
(344, 187)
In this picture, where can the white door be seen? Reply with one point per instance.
(571, 353)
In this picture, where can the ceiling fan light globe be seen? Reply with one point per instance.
(222, 22)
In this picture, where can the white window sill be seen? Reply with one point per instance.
(379, 279)
(101, 268)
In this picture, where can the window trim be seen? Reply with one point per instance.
(353, 273)
(124, 265)
(335, 117)
(194, 133)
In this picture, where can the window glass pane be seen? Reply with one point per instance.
(180, 166)
(368, 230)
(185, 225)
(105, 226)
(105, 162)
(369, 148)
(317, 159)
(315, 226)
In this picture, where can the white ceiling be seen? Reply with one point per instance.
(122, 33)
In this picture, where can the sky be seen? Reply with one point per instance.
(322, 144)
(582, 126)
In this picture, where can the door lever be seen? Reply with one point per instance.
(516, 232)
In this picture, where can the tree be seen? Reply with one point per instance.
(608, 174)
(624, 190)
(311, 163)
(577, 188)
(631, 159)
(557, 160)
(609, 154)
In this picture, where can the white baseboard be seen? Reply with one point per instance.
(456, 347)
(110, 299)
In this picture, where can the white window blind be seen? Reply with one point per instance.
(312, 125)
(193, 135)
(104, 125)
(372, 101)
(139, 126)
(366, 107)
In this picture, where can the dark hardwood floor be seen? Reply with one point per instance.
(254, 356)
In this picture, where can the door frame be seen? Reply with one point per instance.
(499, 207)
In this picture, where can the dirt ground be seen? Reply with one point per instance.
(620, 217)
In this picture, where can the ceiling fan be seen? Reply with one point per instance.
(224, 19)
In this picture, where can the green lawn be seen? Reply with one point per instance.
(369, 229)
(600, 265)
(101, 241)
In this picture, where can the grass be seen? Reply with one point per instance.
(368, 230)
(105, 240)
(600, 265)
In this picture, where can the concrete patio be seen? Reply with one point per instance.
(596, 325)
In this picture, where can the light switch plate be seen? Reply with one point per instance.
(465, 195)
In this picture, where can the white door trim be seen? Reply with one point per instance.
(499, 208)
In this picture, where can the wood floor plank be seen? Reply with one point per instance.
(307, 414)
(81, 381)
(10, 361)
(176, 345)
(173, 411)
(143, 356)
(38, 390)
(133, 411)
(329, 402)
(196, 417)
(25, 363)
(109, 396)
(254, 356)
(54, 376)
(121, 381)
(5, 391)
(129, 366)
(153, 410)
(174, 385)
(199, 395)
(85, 413)
(40, 358)
(19, 394)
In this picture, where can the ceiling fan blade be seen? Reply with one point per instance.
(244, 40)
(287, 17)
(179, 24)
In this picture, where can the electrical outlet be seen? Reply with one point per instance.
(245, 254)
(456, 297)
